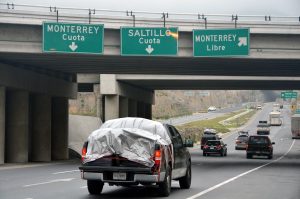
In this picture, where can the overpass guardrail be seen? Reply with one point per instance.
(33, 14)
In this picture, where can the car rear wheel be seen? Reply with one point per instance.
(204, 154)
(95, 187)
(165, 186)
(185, 181)
(249, 156)
(270, 156)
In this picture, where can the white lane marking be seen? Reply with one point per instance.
(49, 182)
(238, 176)
(84, 187)
(61, 172)
(28, 198)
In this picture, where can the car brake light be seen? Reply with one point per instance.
(218, 147)
(237, 141)
(205, 146)
(157, 157)
(84, 151)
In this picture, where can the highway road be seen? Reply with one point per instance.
(200, 116)
(214, 177)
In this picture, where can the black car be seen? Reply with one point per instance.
(259, 145)
(209, 134)
(215, 147)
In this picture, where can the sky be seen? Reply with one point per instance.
(239, 7)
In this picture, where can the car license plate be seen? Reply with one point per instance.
(211, 147)
(119, 176)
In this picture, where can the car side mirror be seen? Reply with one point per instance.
(188, 143)
(273, 143)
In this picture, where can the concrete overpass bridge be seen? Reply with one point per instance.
(35, 86)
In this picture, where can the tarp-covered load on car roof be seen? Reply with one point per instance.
(131, 138)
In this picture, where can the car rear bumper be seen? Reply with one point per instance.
(259, 152)
(134, 175)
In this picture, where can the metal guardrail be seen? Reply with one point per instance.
(93, 14)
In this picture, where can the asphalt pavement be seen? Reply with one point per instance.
(213, 177)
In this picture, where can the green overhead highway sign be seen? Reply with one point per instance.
(73, 38)
(222, 42)
(289, 94)
(149, 41)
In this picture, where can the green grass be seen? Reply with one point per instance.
(194, 130)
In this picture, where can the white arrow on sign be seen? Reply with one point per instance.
(73, 47)
(149, 49)
(242, 41)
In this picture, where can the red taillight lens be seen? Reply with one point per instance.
(237, 141)
(157, 157)
(219, 147)
(205, 146)
(83, 153)
(84, 150)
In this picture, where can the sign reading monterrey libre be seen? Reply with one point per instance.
(222, 42)
(72, 38)
(149, 41)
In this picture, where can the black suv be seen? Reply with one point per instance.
(209, 134)
(215, 147)
(260, 145)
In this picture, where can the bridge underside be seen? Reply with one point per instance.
(108, 64)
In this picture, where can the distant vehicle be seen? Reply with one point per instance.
(215, 147)
(258, 107)
(295, 126)
(275, 118)
(211, 108)
(241, 142)
(209, 134)
(259, 145)
(133, 151)
(276, 107)
(243, 133)
(263, 128)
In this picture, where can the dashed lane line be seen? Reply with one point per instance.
(49, 182)
(238, 176)
(62, 172)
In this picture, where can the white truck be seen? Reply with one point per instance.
(275, 118)
(295, 126)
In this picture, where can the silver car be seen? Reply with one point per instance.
(241, 142)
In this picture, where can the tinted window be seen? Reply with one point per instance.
(211, 142)
(259, 140)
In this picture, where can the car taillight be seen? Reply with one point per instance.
(270, 146)
(157, 160)
(84, 151)
(157, 157)
(237, 141)
(205, 146)
(218, 147)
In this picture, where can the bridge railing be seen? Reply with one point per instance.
(37, 14)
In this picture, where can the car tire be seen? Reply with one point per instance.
(95, 187)
(225, 153)
(165, 186)
(236, 148)
(270, 156)
(249, 156)
(204, 154)
(185, 181)
(222, 153)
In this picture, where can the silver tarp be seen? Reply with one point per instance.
(131, 138)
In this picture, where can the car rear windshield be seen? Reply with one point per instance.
(243, 138)
(258, 140)
(212, 142)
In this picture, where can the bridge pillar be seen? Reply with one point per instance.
(124, 107)
(111, 107)
(148, 111)
(141, 109)
(2, 124)
(17, 121)
(132, 106)
(41, 128)
(59, 131)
